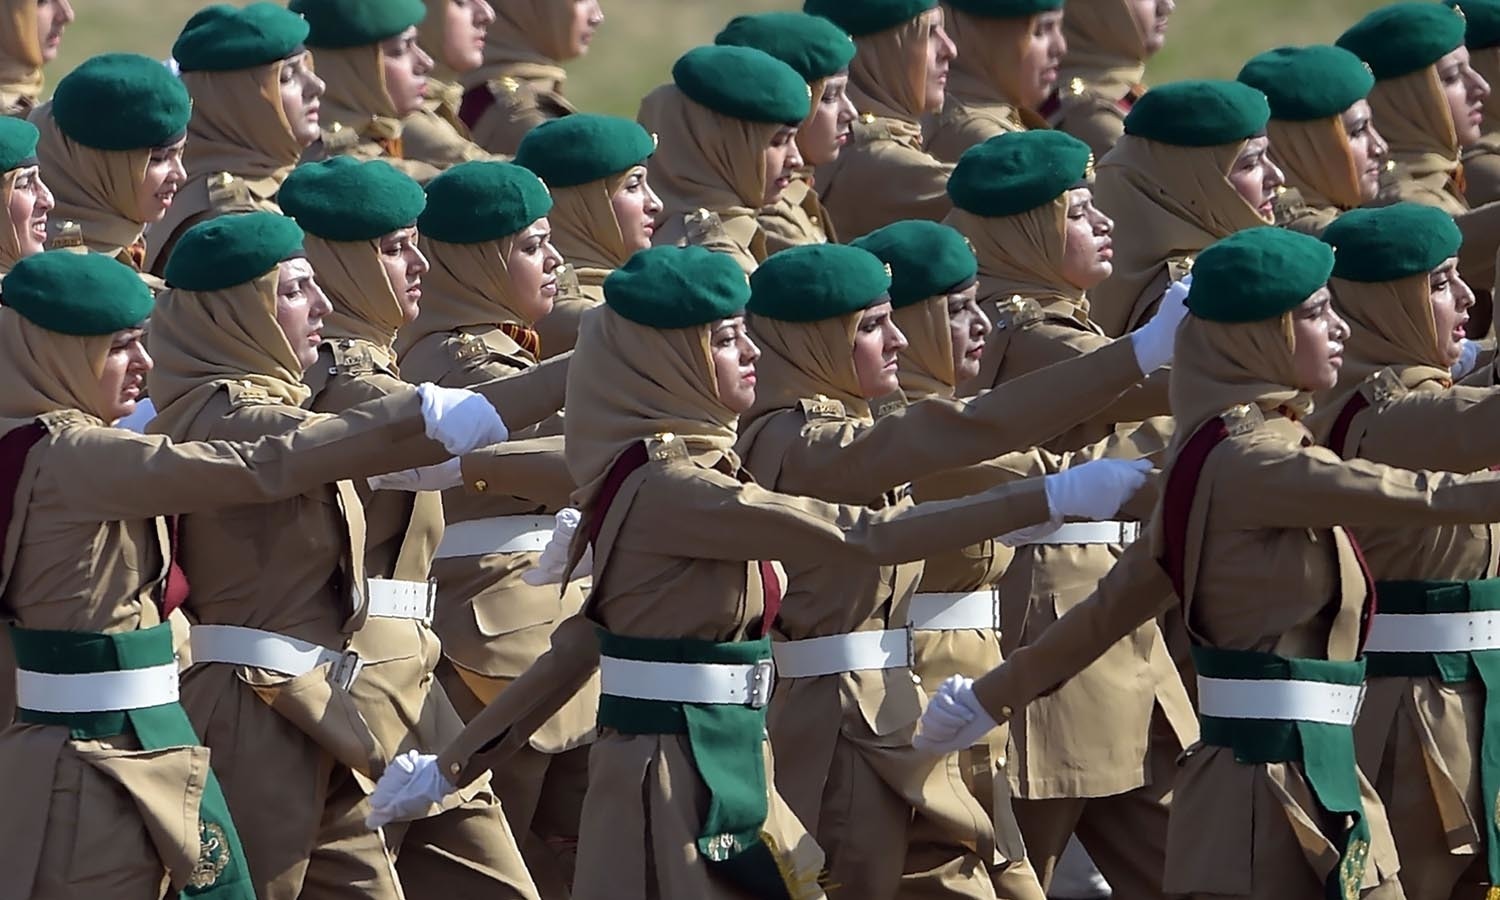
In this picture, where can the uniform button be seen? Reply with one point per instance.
(455, 768)
(1000, 762)
(915, 678)
(1006, 712)
(481, 485)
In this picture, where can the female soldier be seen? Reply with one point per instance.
(111, 151)
(1099, 81)
(106, 783)
(603, 208)
(360, 219)
(681, 800)
(820, 52)
(1321, 131)
(1424, 737)
(1191, 168)
(1481, 158)
(493, 276)
(519, 85)
(1249, 503)
(453, 34)
(1098, 755)
(255, 109)
(26, 198)
(1008, 54)
(30, 40)
(728, 123)
(900, 68)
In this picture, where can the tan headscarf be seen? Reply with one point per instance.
(356, 94)
(1412, 114)
(1022, 255)
(630, 382)
(888, 77)
(20, 55)
(585, 230)
(1169, 201)
(238, 124)
(705, 159)
(202, 341)
(1317, 161)
(44, 371)
(800, 360)
(986, 69)
(365, 305)
(927, 368)
(1219, 365)
(1106, 47)
(1391, 325)
(528, 39)
(97, 189)
(468, 284)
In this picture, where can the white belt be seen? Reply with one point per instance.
(402, 599)
(97, 691)
(843, 653)
(1458, 632)
(1090, 533)
(956, 612)
(499, 534)
(268, 650)
(1288, 700)
(740, 685)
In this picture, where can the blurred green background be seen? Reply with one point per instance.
(635, 47)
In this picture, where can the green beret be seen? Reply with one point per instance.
(1199, 113)
(121, 101)
(1402, 38)
(343, 199)
(743, 83)
(1258, 274)
(336, 24)
(1392, 242)
(1483, 17)
(860, 17)
(677, 287)
(584, 147)
(812, 45)
(818, 281)
(1306, 83)
(1012, 173)
(222, 38)
(480, 201)
(229, 250)
(926, 259)
(17, 143)
(1005, 9)
(85, 294)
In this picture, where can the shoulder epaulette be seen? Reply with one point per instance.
(1243, 419)
(464, 346)
(870, 128)
(1017, 313)
(1382, 388)
(821, 408)
(702, 225)
(665, 446)
(226, 192)
(69, 236)
(351, 357)
(890, 403)
(243, 393)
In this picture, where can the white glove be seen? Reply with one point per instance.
(410, 788)
(1153, 341)
(440, 477)
(1094, 490)
(460, 420)
(953, 720)
(554, 559)
(1467, 359)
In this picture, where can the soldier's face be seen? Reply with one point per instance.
(465, 23)
(636, 207)
(832, 124)
(164, 177)
(1041, 56)
(532, 264)
(1367, 148)
(300, 93)
(877, 351)
(405, 66)
(1318, 335)
(1088, 249)
(124, 375)
(1466, 91)
(968, 326)
(941, 51)
(300, 308)
(1152, 16)
(781, 160)
(404, 267)
(52, 17)
(30, 201)
(1451, 300)
(734, 356)
(1256, 178)
(587, 17)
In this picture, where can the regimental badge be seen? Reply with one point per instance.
(890, 403)
(1088, 169)
(213, 855)
(509, 85)
(1016, 312)
(465, 346)
(567, 281)
(666, 446)
(1242, 419)
(1383, 387)
(701, 223)
(69, 235)
(1076, 87)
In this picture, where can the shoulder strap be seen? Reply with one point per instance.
(1177, 498)
(1339, 434)
(477, 101)
(14, 447)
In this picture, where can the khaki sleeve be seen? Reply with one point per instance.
(532, 469)
(1476, 257)
(1456, 430)
(426, 136)
(527, 398)
(1481, 177)
(558, 329)
(1045, 344)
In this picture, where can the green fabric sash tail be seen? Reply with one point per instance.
(727, 742)
(1325, 752)
(1422, 597)
(221, 873)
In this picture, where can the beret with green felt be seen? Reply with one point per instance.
(584, 147)
(818, 281)
(121, 101)
(230, 250)
(927, 259)
(17, 143)
(861, 17)
(1005, 9)
(1391, 242)
(1402, 38)
(1306, 83)
(222, 38)
(84, 294)
(1012, 173)
(338, 24)
(1258, 274)
(343, 199)
(480, 201)
(677, 287)
(812, 45)
(743, 83)
(1482, 29)
(1199, 113)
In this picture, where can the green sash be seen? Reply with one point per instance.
(727, 742)
(221, 872)
(1325, 752)
(1422, 597)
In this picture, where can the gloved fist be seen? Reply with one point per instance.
(460, 420)
(409, 789)
(953, 720)
(554, 559)
(440, 477)
(1153, 341)
(1096, 489)
(1467, 359)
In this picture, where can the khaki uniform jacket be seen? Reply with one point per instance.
(206, 197)
(379, 138)
(435, 135)
(88, 486)
(1091, 114)
(880, 178)
(965, 123)
(520, 105)
(1482, 170)
(739, 236)
(797, 218)
(490, 621)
